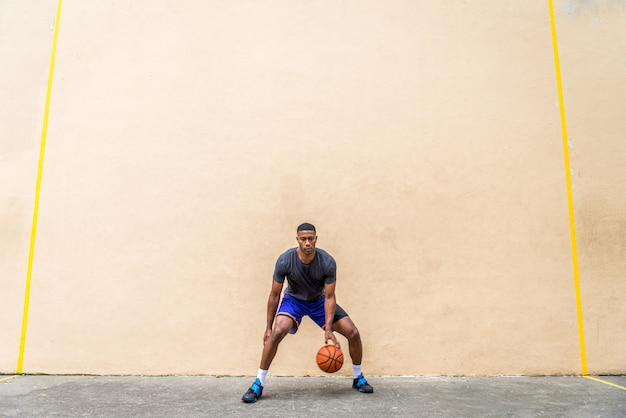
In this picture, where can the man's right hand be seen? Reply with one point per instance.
(267, 334)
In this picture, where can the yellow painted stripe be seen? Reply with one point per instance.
(605, 382)
(570, 200)
(33, 233)
(4, 379)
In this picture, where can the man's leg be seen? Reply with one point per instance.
(346, 327)
(282, 325)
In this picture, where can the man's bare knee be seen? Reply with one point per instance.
(282, 326)
(353, 334)
(347, 328)
(277, 335)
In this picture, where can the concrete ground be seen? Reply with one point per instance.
(202, 396)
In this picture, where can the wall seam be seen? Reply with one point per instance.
(570, 200)
(33, 233)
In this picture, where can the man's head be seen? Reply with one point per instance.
(305, 227)
(306, 237)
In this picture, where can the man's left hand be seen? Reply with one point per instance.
(328, 335)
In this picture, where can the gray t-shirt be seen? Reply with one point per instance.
(305, 281)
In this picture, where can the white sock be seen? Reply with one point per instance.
(356, 370)
(261, 376)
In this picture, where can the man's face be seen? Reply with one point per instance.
(306, 241)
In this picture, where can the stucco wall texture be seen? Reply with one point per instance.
(187, 139)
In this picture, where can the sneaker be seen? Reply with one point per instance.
(254, 393)
(361, 385)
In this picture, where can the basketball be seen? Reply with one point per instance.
(329, 358)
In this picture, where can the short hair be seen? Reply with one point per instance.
(305, 227)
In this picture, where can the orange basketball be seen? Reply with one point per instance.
(329, 358)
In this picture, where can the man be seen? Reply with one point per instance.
(311, 276)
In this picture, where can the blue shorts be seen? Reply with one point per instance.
(296, 309)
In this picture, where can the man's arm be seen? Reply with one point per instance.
(329, 309)
(272, 307)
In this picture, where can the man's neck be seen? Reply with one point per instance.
(304, 258)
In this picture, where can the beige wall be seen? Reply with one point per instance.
(594, 38)
(187, 139)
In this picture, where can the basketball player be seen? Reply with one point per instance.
(311, 276)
